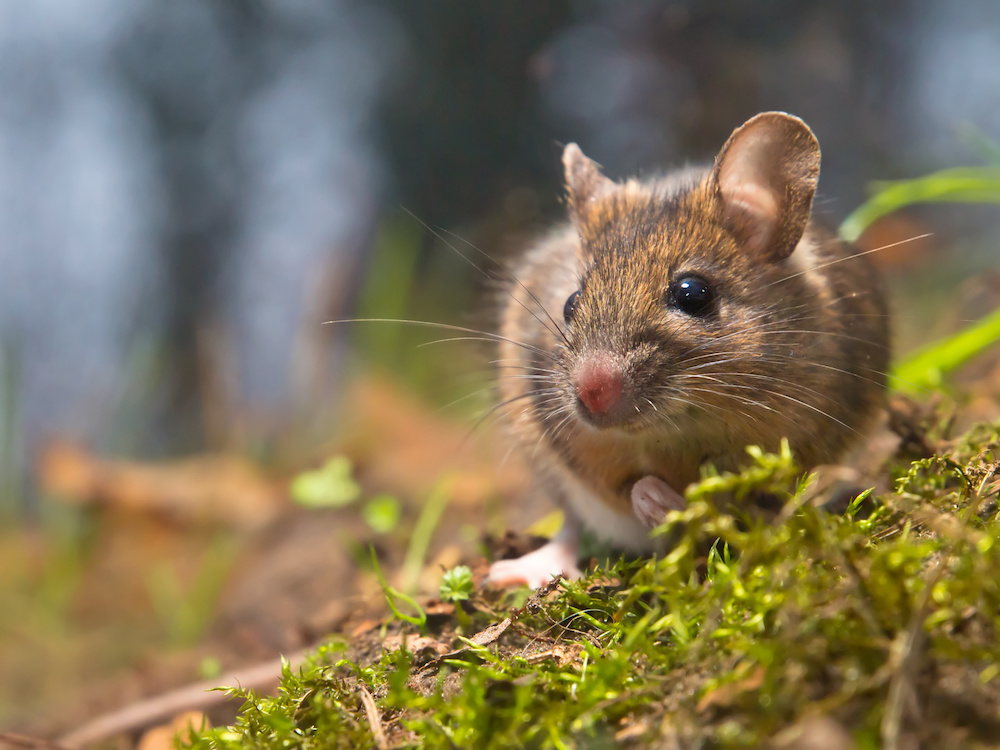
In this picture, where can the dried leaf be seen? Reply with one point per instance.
(726, 694)
(164, 737)
(203, 489)
(416, 644)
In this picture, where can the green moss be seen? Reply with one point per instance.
(745, 629)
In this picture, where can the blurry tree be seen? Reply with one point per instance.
(462, 122)
(193, 65)
(256, 113)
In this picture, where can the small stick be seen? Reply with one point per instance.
(162, 708)
(10, 740)
(374, 720)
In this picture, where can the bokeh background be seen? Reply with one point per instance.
(167, 169)
(188, 189)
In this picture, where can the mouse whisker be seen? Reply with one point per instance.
(836, 334)
(772, 410)
(925, 235)
(740, 398)
(503, 274)
(467, 397)
(501, 364)
(551, 433)
(723, 378)
(543, 379)
(491, 275)
(799, 387)
(496, 408)
(450, 339)
(445, 326)
(811, 407)
(877, 375)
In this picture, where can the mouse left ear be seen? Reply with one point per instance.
(766, 176)
(584, 183)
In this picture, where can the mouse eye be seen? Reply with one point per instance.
(569, 309)
(691, 295)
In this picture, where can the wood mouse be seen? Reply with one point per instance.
(672, 322)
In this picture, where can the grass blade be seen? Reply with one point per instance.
(957, 185)
(926, 367)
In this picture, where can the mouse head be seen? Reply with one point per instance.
(763, 181)
(676, 274)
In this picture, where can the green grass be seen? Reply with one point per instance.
(746, 628)
(925, 369)
(957, 185)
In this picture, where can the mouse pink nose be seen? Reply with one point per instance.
(599, 384)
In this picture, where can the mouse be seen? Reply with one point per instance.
(672, 321)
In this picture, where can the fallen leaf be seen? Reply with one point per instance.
(365, 626)
(814, 733)
(216, 488)
(437, 608)
(415, 644)
(632, 731)
(726, 694)
(164, 737)
(491, 634)
(563, 654)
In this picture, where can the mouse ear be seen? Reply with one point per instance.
(766, 175)
(584, 183)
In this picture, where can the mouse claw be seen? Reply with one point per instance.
(652, 499)
(557, 557)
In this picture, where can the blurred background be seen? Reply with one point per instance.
(189, 189)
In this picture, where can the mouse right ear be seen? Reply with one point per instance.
(584, 183)
(766, 177)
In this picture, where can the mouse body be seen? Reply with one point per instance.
(673, 321)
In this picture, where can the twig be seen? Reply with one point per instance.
(374, 720)
(162, 708)
(902, 688)
(9, 740)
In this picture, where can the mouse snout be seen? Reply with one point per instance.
(599, 381)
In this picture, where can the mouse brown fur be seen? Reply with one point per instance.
(674, 321)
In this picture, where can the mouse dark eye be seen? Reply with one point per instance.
(691, 295)
(569, 309)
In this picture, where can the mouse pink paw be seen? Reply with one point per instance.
(652, 499)
(537, 568)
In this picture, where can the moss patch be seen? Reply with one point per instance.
(875, 627)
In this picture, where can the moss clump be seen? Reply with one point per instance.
(878, 627)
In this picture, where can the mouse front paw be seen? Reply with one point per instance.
(537, 568)
(652, 499)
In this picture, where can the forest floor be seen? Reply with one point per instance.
(869, 626)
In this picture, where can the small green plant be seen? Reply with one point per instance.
(330, 486)
(457, 584)
(184, 611)
(382, 513)
(769, 472)
(393, 597)
(719, 564)
(316, 708)
(420, 540)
